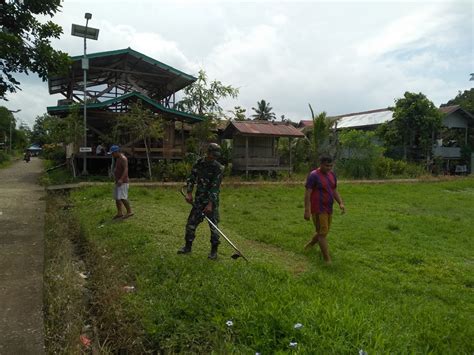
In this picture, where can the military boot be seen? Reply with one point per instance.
(213, 254)
(186, 249)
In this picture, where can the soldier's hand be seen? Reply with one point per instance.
(208, 208)
(189, 198)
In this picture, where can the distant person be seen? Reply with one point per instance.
(27, 156)
(100, 149)
(207, 175)
(121, 183)
(321, 191)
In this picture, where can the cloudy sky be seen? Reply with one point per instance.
(341, 57)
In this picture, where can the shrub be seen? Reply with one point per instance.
(356, 168)
(359, 152)
(387, 167)
(4, 157)
(54, 152)
(166, 171)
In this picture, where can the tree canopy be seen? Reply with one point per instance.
(238, 113)
(416, 119)
(141, 124)
(20, 135)
(6, 118)
(263, 111)
(202, 97)
(464, 99)
(25, 43)
(324, 138)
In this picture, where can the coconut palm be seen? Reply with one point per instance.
(324, 136)
(263, 111)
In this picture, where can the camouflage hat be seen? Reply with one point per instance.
(214, 149)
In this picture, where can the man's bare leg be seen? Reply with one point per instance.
(118, 203)
(323, 244)
(127, 206)
(312, 242)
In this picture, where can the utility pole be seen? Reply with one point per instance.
(11, 124)
(91, 33)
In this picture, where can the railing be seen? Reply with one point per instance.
(258, 164)
(171, 153)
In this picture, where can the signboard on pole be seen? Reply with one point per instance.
(85, 149)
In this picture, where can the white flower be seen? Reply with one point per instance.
(229, 323)
(298, 326)
(362, 352)
(293, 344)
(129, 288)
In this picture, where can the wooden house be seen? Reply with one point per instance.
(116, 80)
(447, 142)
(254, 144)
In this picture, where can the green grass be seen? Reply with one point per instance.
(64, 303)
(401, 279)
(63, 175)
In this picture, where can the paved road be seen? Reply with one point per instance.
(21, 259)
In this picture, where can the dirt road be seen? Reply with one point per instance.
(21, 259)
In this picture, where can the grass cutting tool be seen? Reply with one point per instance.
(237, 253)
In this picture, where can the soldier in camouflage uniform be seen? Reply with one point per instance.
(207, 175)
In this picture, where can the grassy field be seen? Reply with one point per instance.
(401, 281)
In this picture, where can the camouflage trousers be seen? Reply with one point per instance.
(195, 218)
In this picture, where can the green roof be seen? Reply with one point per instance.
(137, 55)
(145, 74)
(98, 105)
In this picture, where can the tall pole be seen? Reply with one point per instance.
(84, 163)
(10, 140)
(11, 124)
(92, 33)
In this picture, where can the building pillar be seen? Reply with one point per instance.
(472, 164)
(289, 148)
(247, 157)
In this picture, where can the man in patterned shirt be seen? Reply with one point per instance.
(321, 191)
(207, 175)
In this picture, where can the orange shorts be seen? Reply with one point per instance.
(322, 222)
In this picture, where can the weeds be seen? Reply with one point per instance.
(386, 292)
(65, 308)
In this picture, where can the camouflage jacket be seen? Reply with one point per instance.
(207, 175)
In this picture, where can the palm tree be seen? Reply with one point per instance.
(324, 136)
(263, 111)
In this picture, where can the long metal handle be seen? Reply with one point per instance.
(220, 232)
(225, 237)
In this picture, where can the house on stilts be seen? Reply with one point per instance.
(116, 80)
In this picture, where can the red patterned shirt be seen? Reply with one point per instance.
(322, 194)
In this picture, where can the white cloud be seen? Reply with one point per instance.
(279, 19)
(149, 43)
(30, 101)
(340, 57)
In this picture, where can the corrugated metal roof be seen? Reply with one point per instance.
(449, 109)
(371, 118)
(362, 119)
(150, 76)
(305, 123)
(262, 128)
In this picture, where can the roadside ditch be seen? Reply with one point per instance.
(83, 290)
